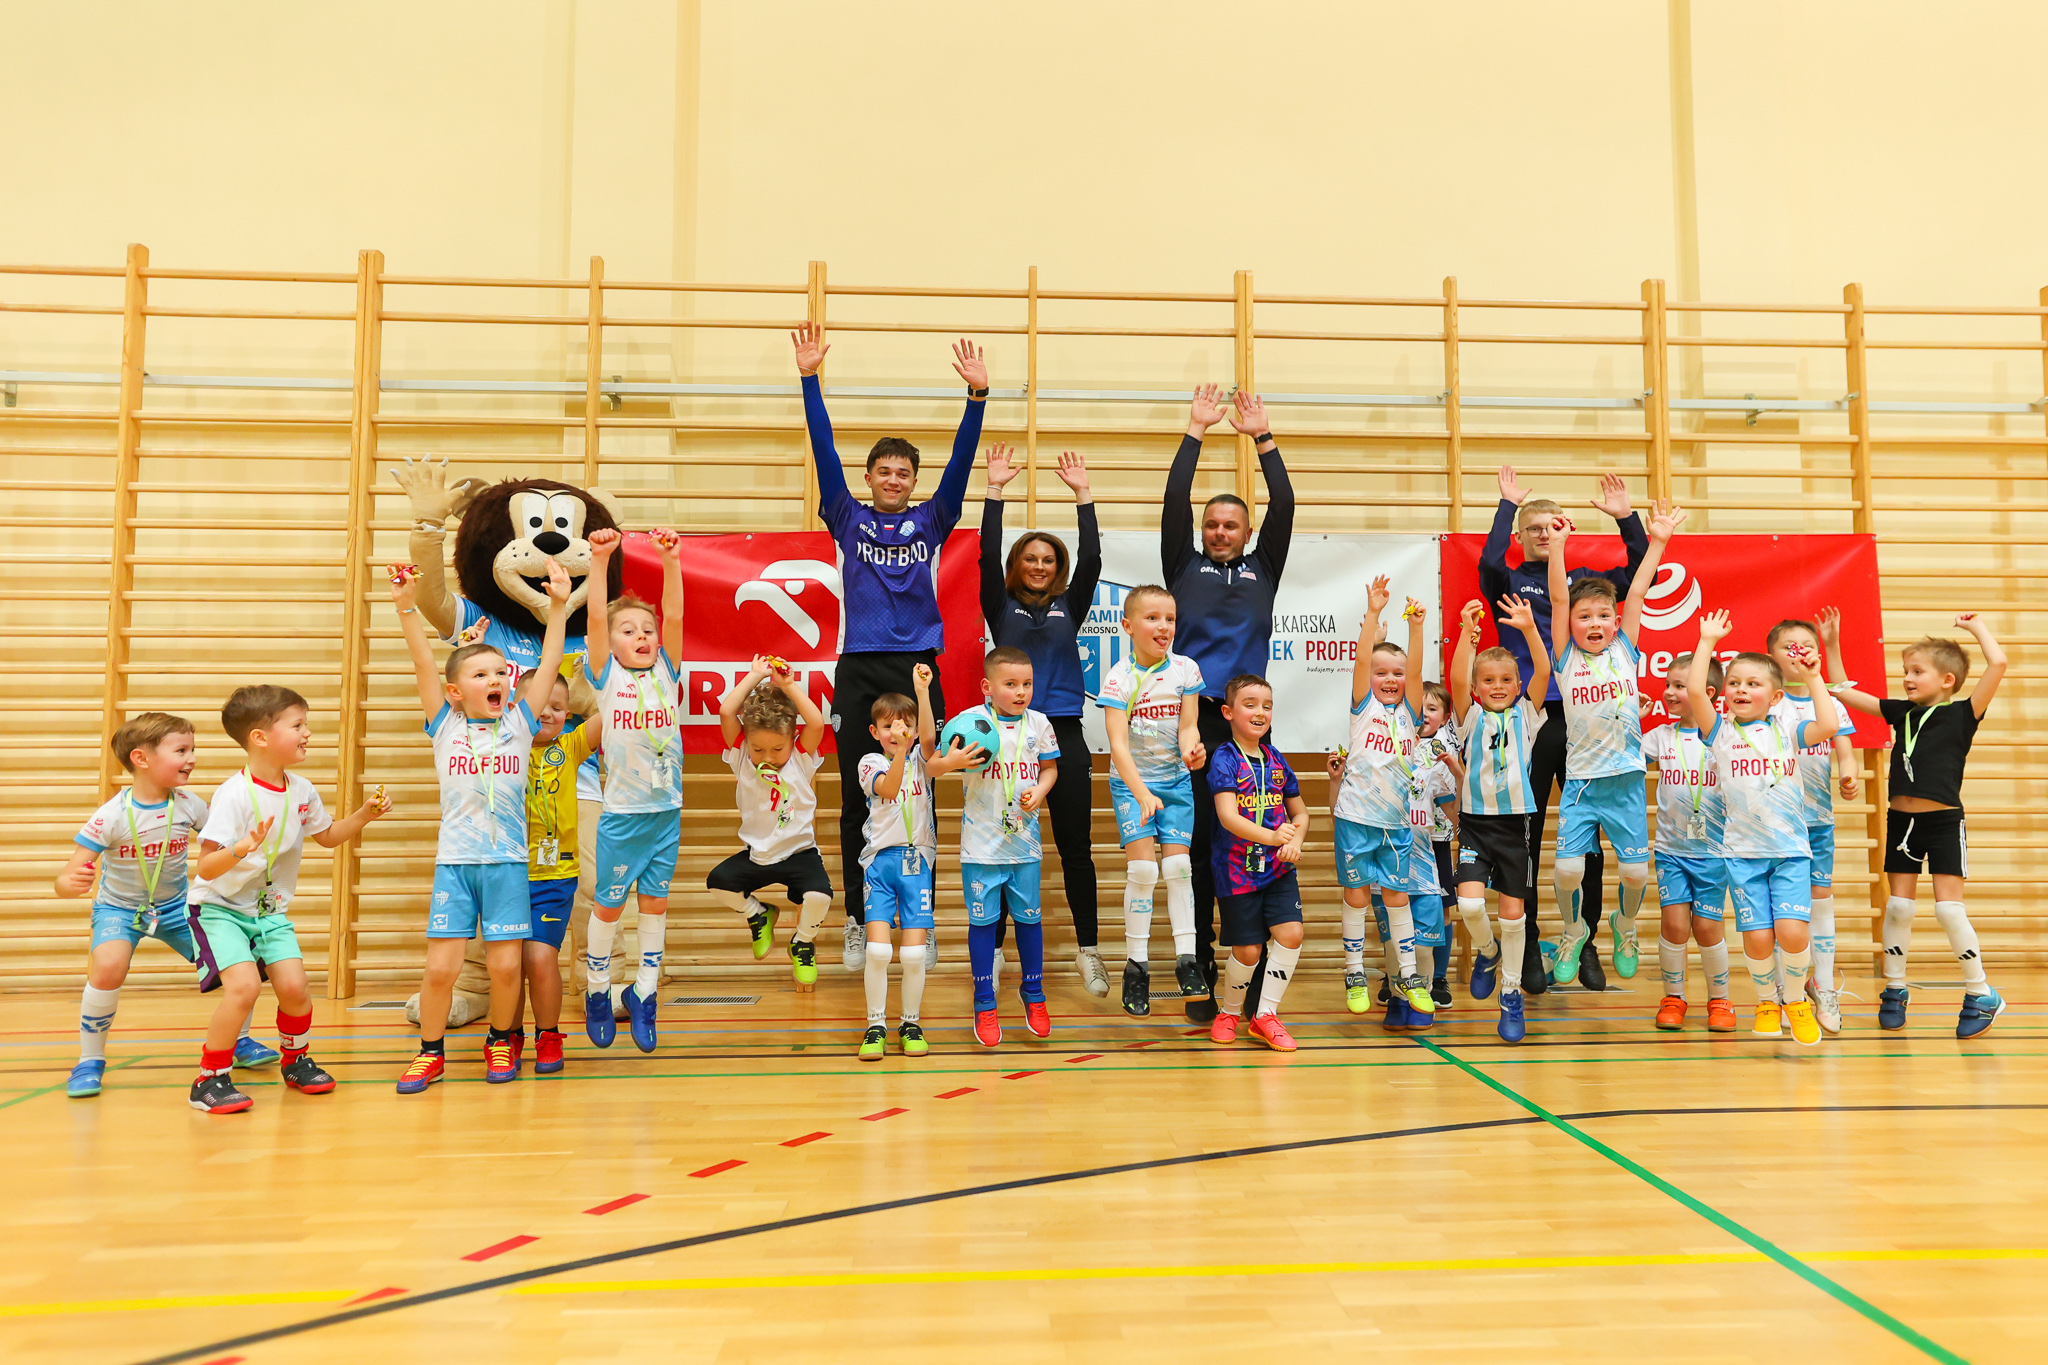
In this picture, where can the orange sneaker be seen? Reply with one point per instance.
(1268, 1029)
(1224, 1030)
(988, 1029)
(1720, 1016)
(1671, 1012)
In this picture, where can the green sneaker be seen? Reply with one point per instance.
(911, 1036)
(1565, 969)
(1416, 991)
(1357, 992)
(763, 928)
(803, 963)
(874, 1044)
(1626, 954)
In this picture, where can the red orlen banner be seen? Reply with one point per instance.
(778, 593)
(1758, 580)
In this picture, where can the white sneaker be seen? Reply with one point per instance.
(856, 946)
(1093, 977)
(1827, 1007)
(931, 950)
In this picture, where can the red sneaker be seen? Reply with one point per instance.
(518, 1048)
(547, 1052)
(1224, 1030)
(1268, 1029)
(988, 1030)
(1720, 1016)
(1671, 1013)
(1037, 1019)
(501, 1063)
(425, 1069)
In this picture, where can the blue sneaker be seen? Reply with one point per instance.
(1397, 1014)
(1420, 1021)
(1485, 972)
(1891, 1008)
(85, 1078)
(597, 1018)
(1512, 1029)
(249, 1052)
(640, 1018)
(1978, 1013)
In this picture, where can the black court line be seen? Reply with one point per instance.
(370, 1310)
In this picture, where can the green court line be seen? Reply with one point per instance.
(1840, 1293)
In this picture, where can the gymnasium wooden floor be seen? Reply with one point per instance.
(1124, 1192)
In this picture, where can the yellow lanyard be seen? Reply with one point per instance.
(1706, 765)
(778, 792)
(1144, 676)
(1911, 734)
(276, 830)
(150, 875)
(1260, 770)
(1394, 743)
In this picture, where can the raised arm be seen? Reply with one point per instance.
(994, 600)
(433, 501)
(1087, 570)
(1665, 519)
(927, 728)
(1829, 620)
(1418, 640)
(597, 641)
(1613, 500)
(811, 346)
(1994, 662)
(426, 676)
(1516, 612)
(1493, 558)
(541, 680)
(1368, 636)
(1802, 669)
(736, 697)
(1699, 706)
(971, 367)
(1276, 526)
(1560, 584)
(807, 710)
(1460, 680)
(670, 546)
(1177, 518)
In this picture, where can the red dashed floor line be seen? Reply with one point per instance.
(882, 1114)
(714, 1170)
(806, 1138)
(1085, 1057)
(1020, 1075)
(956, 1094)
(509, 1244)
(615, 1205)
(371, 1297)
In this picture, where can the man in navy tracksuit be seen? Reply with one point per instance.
(1528, 520)
(889, 570)
(1223, 603)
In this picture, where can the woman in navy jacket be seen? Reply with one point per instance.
(1037, 601)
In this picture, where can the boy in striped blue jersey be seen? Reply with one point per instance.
(1499, 718)
(1692, 879)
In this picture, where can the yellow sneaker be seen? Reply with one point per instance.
(1805, 1027)
(1766, 1025)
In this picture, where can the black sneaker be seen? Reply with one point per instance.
(1381, 994)
(304, 1075)
(1440, 991)
(1535, 971)
(1202, 1008)
(1188, 974)
(1592, 976)
(216, 1094)
(1137, 990)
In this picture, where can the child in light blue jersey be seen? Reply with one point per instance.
(1497, 800)
(630, 659)
(1692, 878)
(482, 731)
(1818, 764)
(1597, 663)
(999, 842)
(1763, 842)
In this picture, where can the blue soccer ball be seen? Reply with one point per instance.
(970, 729)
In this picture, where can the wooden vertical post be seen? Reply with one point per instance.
(815, 311)
(355, 644)
(121, 560)
(1247, 480)
(593, 371)
(1657, 387)
(1031, 399)
(1865, 522)
(1454, 417)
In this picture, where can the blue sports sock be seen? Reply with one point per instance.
(1031, 957)
(981, 952)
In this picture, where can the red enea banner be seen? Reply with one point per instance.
(1758, 580)
(779, 593)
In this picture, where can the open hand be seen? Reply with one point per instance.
(809, 340)
(473, 632)
(1002, 466)
(1511, 489)
(1665, 519)
(1519, 613)
(1207, 410)
(969, 365)
(1249, 414)
(1613, 499)
(1714, 628)
(1073, 471)
(1376, 600)
(255, 837)
(558, 584)
(433, 498)
(1829, 622)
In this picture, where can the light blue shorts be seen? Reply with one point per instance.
(1821, 838)
(898, 897)
(173, 930)
(636, 848)
(995, 887)
(1767, 890)
(1175, 822)
(1701, 883)
(1428, 913)
(1370, 855)
(492, 895)
(1618, 804)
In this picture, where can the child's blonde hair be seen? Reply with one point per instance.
(767, 707)
(1531, 506)
(1946, 655)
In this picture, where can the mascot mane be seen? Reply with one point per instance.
(489, 544)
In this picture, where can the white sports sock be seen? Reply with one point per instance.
(95, 1017)
(1778, 959)
(653, 945)
(1139, 879)
(1962, 939)
(1898, 936)
(1237, 978)
(1714, 957)
(1425, 962)
(1353, 920)
(1514, 939)
(812, 916)
(877, 980)
(1822, 928)
(1793, 970)
(1568, 880)
(1280, 964)
(597, 953)
(1635, 880)
(913, 982)
(248, 1022)
(1178, 871)
(1671, 964)
(1401, 933)
(1763, 974)
(743, 906)
(1472, 909)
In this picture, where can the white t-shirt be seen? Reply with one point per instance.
(482, 767)
(1603, 724)
(993, 827)
(1498, 745)
(1692, 815)
(643, 745)
(1758, 767)
(133, 838)
(238, 806)
(1379, 786)
(778, 806)
(1152, 701)
(884, 827)
(1817, 761)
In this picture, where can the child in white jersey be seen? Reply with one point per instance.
(776, 771)
(1150, 704)
(1597, 663)
(1818, 764)
(999, 841)
(482, 730)
(1763, 840)
(1692, 877)
(1380, 814)
(1496, 799)
(630, 660)
(1444, 772)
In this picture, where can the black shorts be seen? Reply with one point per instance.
(802, 872)
(1248, 919)
(1494, 851)
(1933, 837)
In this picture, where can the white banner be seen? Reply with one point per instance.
(1316, 618)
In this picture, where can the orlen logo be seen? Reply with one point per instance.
(1101, 636)
(785, 580)
(1672, 599)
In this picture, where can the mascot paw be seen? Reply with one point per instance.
(433, 498)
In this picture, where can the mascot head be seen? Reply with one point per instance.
(508, 533)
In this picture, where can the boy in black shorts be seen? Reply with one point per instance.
(1931, 734)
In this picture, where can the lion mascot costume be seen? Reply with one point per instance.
(507, 533)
